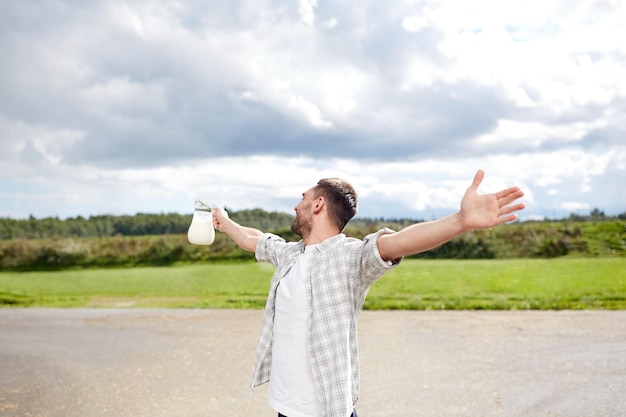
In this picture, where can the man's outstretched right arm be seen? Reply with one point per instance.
(245, 237)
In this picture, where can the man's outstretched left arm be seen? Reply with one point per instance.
(478, 211)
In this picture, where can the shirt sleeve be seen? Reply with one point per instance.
(268, 248)
(373, 266)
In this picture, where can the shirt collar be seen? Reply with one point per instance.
(325, 245)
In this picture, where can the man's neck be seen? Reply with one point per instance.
(319, 236)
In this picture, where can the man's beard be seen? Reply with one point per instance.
(301, 225)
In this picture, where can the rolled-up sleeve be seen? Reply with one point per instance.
(268, 247)
(373, 266)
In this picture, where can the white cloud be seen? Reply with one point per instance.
(25, 143)
(533, 134)
(124, 107)
(310, 111)
(330, 23)
(562, 51)
(419, 188)
(306, 8)
(123, 95)
(415, 23)
(576, 207)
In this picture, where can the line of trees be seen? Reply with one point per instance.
(143, 240)
(144, 224)
(141, 224)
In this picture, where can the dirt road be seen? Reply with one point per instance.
(192, 363)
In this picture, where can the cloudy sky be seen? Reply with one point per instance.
(119, 107)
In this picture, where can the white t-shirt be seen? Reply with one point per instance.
(292, 389)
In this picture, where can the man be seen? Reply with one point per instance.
(308, 344)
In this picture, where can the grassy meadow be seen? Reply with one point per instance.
(560, 283)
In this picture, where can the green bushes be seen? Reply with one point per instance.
(117, 251)
(470, 246)
(519, 240)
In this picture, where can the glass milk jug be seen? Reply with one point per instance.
(201, 231)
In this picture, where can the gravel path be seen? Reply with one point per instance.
(191, 363)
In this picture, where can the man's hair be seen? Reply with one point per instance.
(341, 199)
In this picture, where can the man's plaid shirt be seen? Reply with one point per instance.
(338, 279)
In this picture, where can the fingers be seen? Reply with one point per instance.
(219, 217)
(507, 213)
(507, 219)
(478, 178)
(506, 197)
(216, 217)
(510, 209)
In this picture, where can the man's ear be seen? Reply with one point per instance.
(318, 205)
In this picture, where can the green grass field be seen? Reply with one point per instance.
(562, 283)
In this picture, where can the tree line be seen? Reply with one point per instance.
(145, 224)
(141, 224)
(154, 240)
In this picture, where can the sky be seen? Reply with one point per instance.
(123, 107)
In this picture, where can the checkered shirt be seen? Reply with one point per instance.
(338, 279)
